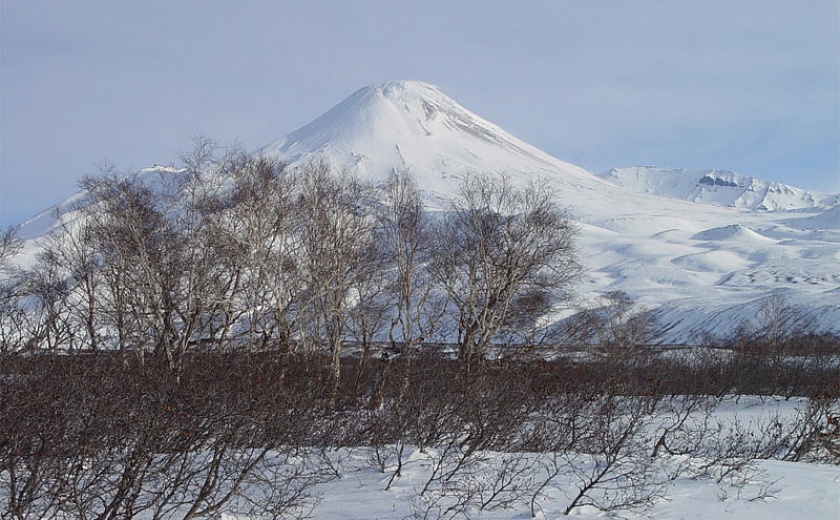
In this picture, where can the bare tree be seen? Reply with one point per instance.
(405, 239)
(157, 255)
(616, 326)
(49, 302)
(71, 251)
(127, 219)
(335, 230)
(504, 254)
(10, 245)
(259, 243)
(13, 318)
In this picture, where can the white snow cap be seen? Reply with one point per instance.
(415, 126)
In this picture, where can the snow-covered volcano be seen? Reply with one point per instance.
(704, 262)
(413, 125)
(705, 259)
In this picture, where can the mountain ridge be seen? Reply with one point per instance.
(718, 187)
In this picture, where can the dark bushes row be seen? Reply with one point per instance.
(100, 435)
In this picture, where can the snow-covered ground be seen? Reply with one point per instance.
(766, 490)
(359, 483)
(777, 491)
(773, 490)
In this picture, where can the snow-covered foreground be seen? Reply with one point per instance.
(770, 490)
(543, 485)
(630, 455)
(777, 490)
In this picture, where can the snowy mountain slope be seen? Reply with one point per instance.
(717, 187)
(702, 267)
(413, 125)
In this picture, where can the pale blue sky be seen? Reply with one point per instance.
(750, 86)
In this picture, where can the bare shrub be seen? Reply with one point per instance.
(101, 440)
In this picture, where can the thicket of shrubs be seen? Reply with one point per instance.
(89, 436)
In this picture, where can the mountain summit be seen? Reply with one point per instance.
(413, 125)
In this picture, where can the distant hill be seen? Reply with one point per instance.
(717, 187)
